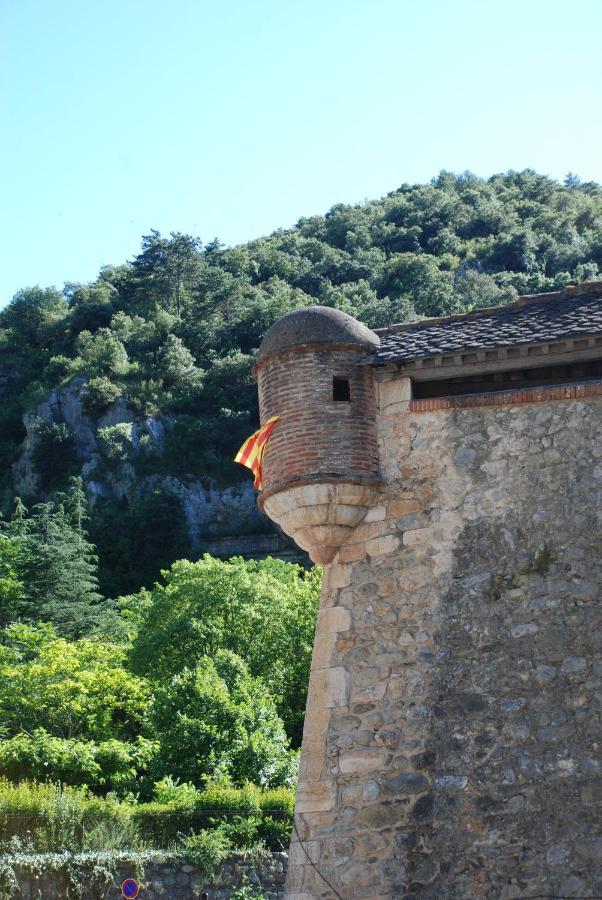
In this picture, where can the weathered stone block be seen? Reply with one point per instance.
(335, 618)
(315, 796)
(328, 688)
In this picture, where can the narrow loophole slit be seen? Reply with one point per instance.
(341, 389)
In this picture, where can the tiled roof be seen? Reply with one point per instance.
(537, 318)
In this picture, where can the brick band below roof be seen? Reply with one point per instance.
(509, 398)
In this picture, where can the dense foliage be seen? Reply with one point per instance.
(52, 818)
(48, 567)
(262, 611)
(203, 677)
(175, 330)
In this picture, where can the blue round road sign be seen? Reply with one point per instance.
(130, 888)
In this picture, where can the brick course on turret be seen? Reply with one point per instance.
(316, 435)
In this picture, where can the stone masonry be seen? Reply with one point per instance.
(162, 879)
(453, 728)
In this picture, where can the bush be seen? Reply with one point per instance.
(100, 393)
(207, 848)
(268, 814)
(275, 833)
(184, 796)
(58, 367)
(107, 765)
(51, 818)
(116, 441)
(101, 353)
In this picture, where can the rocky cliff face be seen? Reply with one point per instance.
(223, 520)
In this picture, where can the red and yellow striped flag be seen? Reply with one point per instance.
(251, 452)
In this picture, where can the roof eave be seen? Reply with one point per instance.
(501, 358)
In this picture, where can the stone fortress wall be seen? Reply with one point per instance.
(453, 729)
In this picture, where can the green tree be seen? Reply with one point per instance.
(178, 367)
(99, 393)
(35, 317)
(476, 289)
(70, 711)
(60, 567)
(169, 267)
(12, 588)
(264, 611)
(101, 353)
(72, 689)
(102, 766)
(92, 305)
(216, 719)
(116, 440)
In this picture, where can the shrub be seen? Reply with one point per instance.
(269, 812)
(107, 765)
(116, 441)
(242, 831)
(207, 848)
(52, 818)
(168, 790)
(100, 393)
(275, 833)
(247, 892)
(101, 353)
(58, 367)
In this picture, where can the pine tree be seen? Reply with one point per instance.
(61, 571)
(14, 555)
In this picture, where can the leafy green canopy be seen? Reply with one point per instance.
(178, 326)
(263, 611)
(72, 689)
(12, 589)
(217, 719)
(69, 710)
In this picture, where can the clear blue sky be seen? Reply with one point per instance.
(235, 117)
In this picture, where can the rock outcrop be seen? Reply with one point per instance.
(223, 520)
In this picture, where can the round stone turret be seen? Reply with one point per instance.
(320, 469)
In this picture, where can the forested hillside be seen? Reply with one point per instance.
(140, 381)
